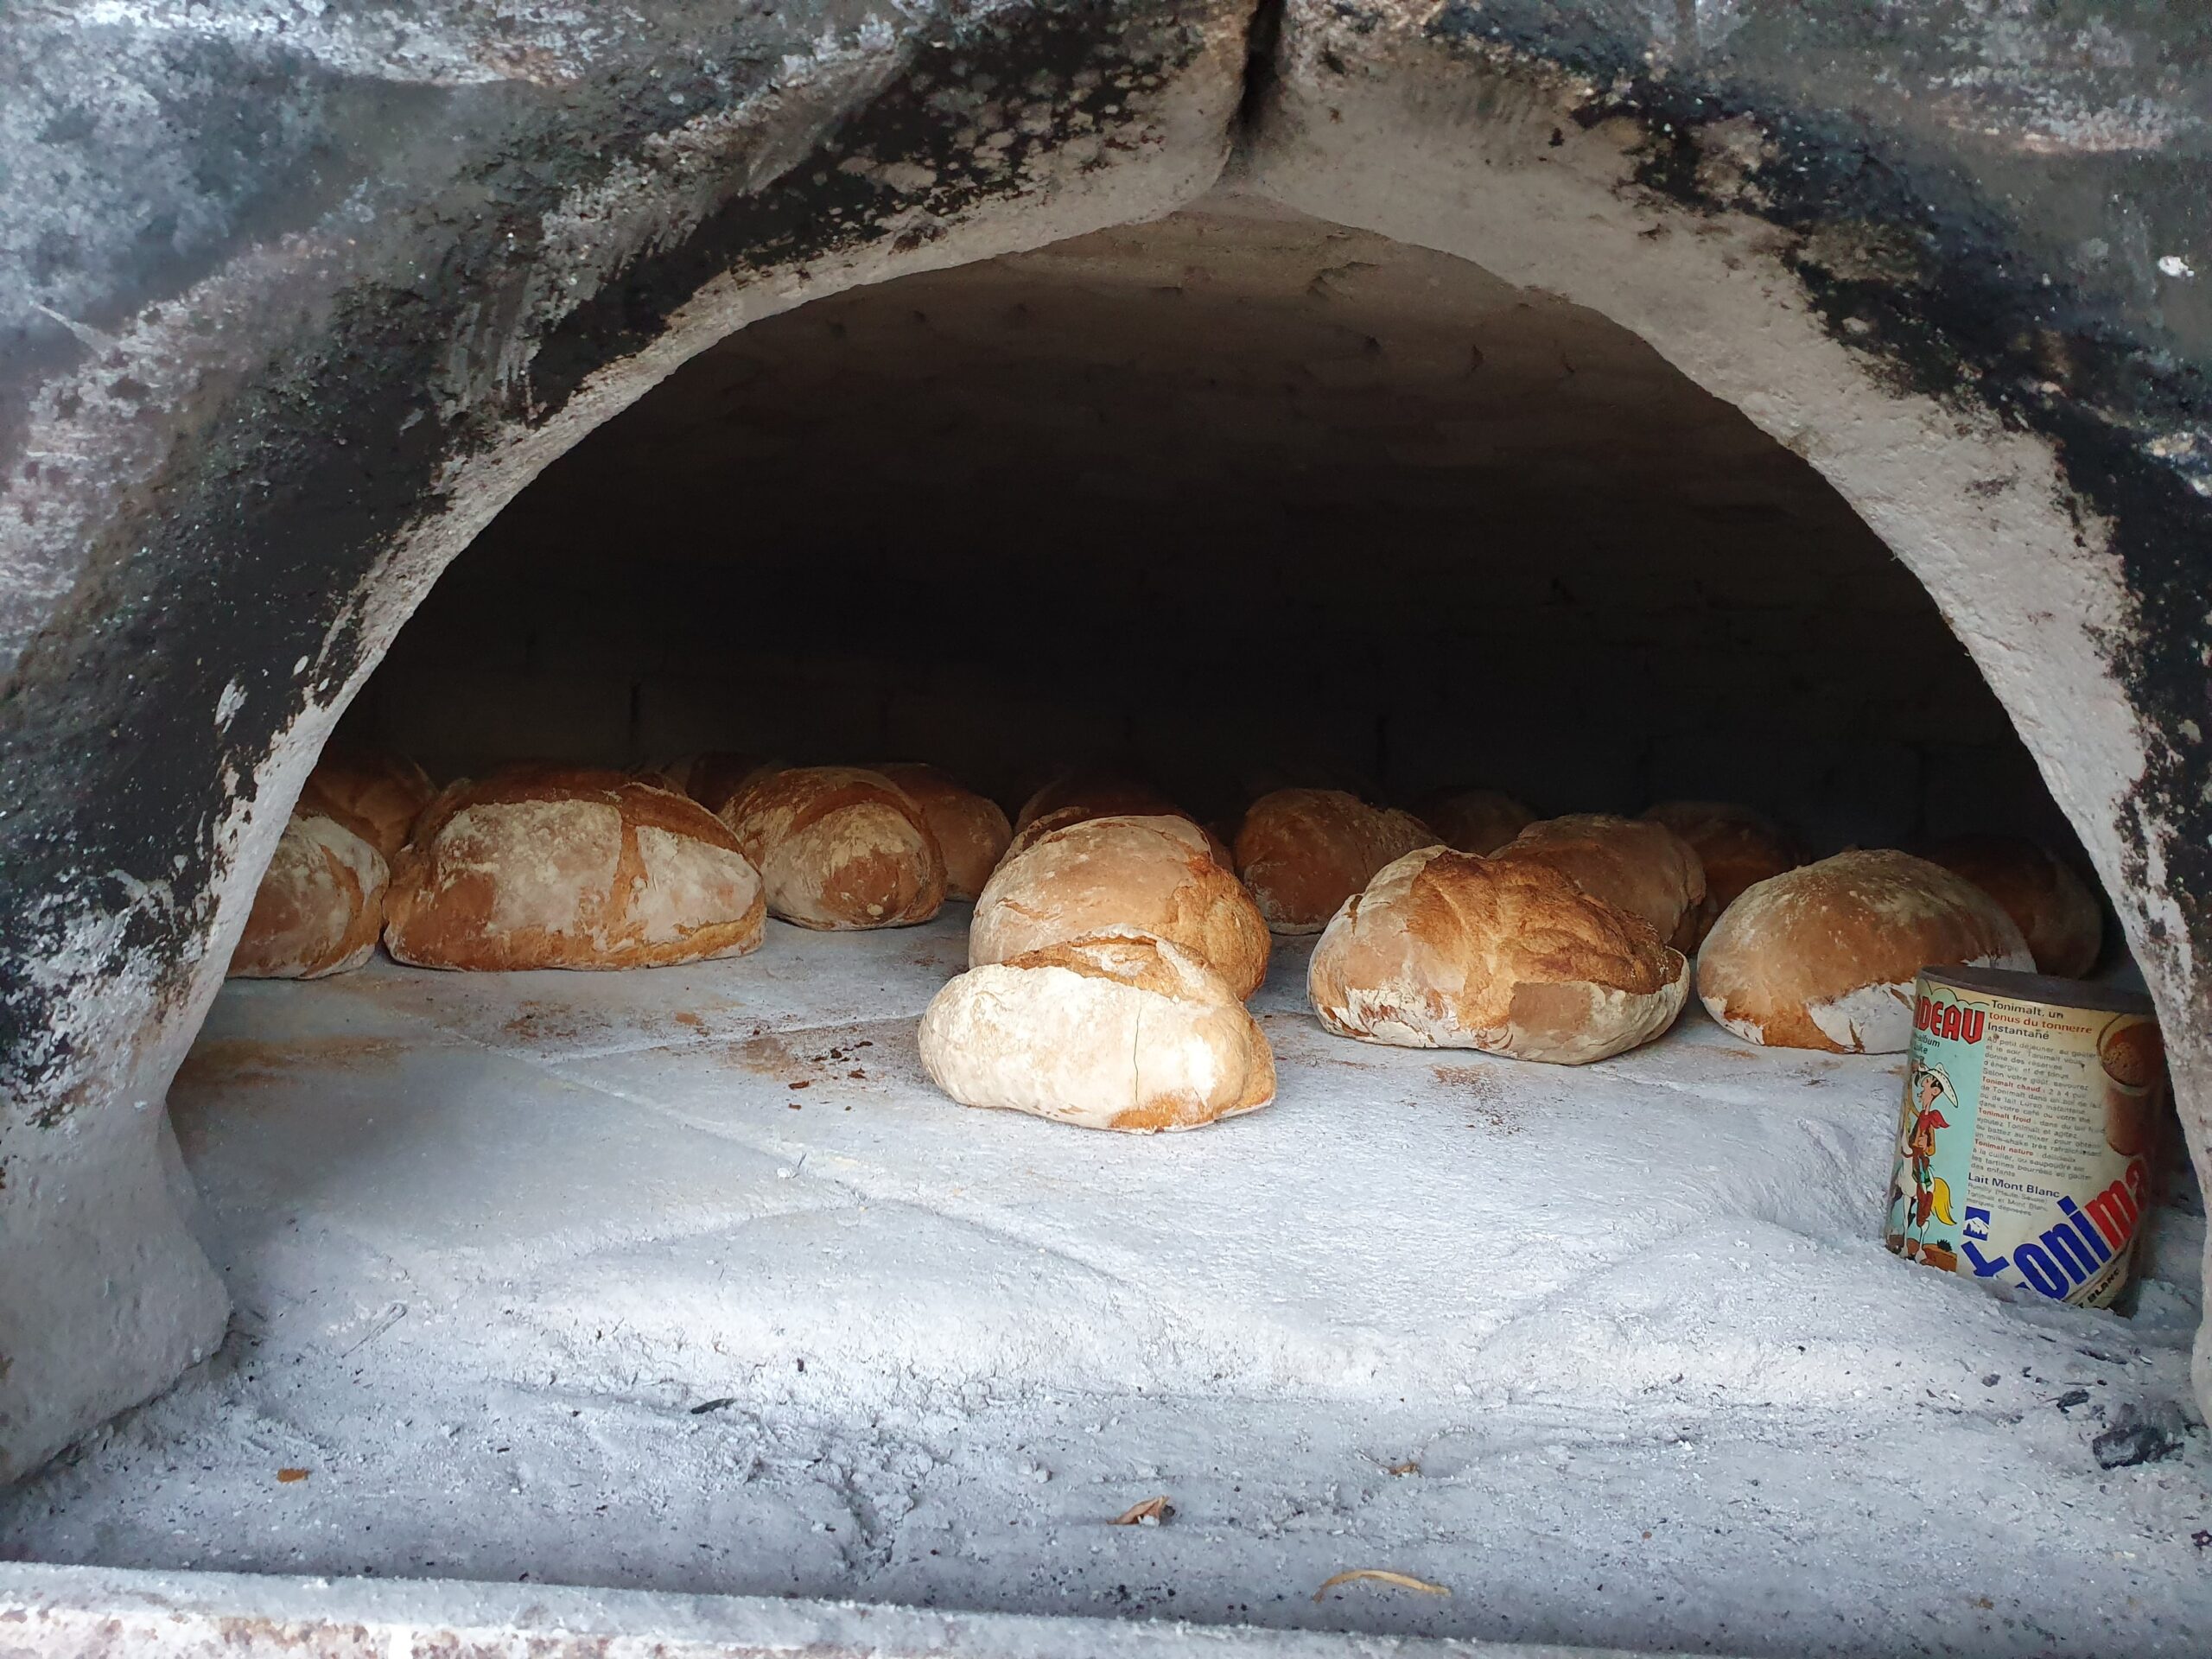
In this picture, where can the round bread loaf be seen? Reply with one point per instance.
(1824, 956)
(1062, 818)
(1153, 875)
(711, 777)
(376, 794)
(1474, 820)
(562, 867)
(1303, 852)
(319, 906)
(1448, 949)
(972, 831)
(1117, 1031)
(839, 846)
(1643, 867)
(1735, 845)
(1102, 794)
(2053, 908)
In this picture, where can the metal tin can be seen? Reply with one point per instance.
(2026, 1141)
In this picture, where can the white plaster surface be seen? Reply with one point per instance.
(557, 1276)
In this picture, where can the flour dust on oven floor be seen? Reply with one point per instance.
(689, 1280)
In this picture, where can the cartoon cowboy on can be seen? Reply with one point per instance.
(1930, 1195)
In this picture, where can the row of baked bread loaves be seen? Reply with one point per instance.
(1539, 949)
(539, 866)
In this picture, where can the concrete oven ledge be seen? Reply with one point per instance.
(93, 1611)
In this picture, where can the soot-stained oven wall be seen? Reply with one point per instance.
(1240, 498)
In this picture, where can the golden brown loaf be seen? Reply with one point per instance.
(319, 906)
(1122, 1032)
(1736, 845)
(972, 831)
(1102, 794)
(1448, 949)
(1824, 956)
(376, 794)
(1147, 874)
(710, 776)
(562, 867)
(2052, 906)
(1303, 852)
(839, 846)
(1062, 818)
(1643, 867)
(1474, 820)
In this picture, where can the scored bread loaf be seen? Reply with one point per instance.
(562, 867)
(1122, 1032)
(1446, 950)
(1640, 866)
(319, 906)
(1474, 820)
(971, 831)
(376, 794)
(2053, 907)
(1303, 852)
(839, 846)
(710, 776)
(1736, 846)
(1824, 956)
(1153, 875)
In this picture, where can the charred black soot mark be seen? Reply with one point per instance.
(256, 547)
(1910, 264)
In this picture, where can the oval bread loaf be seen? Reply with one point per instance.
(319, 906)
(1643, 867)
(839, 846)
(1474, 820)
(1303, 852)
(376, 794)
(1824, 956)
(1736, 846)
(1124, 1032)
(971, 831)
(2053, 907)
(1448, 949)
(1151, 875)
(556, 866)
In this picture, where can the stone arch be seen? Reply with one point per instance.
(231, 476)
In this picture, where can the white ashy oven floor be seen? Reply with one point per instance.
(687, 1280)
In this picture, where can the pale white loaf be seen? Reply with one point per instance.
(1123, 1032)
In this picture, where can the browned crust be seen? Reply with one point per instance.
(450, 926)
(1153, 873)
(1505, 928)
(290, 937)
(373, 793)
(1738, 847)
(1303, 852)
(711, 777)
(971, 829)
(2052, 906)
(870, 890)
(1473, 820)
(1818, 933)
(1105, 794)
(1638, 865)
